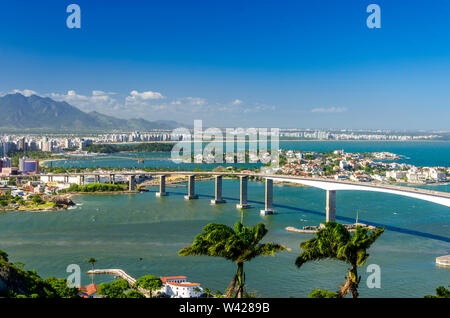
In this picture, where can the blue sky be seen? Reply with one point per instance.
(311, 64)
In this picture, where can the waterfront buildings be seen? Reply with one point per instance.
(179, 287)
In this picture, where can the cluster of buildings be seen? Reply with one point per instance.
(353, 135)
(417, 175)
(359, 167)
(26, 190)
(173, 286)
(26, 166)
(58, 143)
(32, 143)
(138, 136)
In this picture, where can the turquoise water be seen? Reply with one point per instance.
(418, 153)
(120, 230)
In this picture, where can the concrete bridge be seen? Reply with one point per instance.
(329, 185)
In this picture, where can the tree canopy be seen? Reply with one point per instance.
(334, 241)
(239, 244)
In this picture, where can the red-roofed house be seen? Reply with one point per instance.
(89, 291)
(179, 287)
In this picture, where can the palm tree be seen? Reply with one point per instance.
(92, 261)
(238, 245)
(335, 241)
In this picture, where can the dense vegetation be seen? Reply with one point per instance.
(16, 282)
(239, 244)
(322, 293)
(441, 292)
(142, 147)
(334, 241)
(118, 289)
(7, 201)
(95, 187)
(149, 282)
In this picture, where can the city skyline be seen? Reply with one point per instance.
(239, 64)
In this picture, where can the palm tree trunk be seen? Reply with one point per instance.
(231, 288)
(355, 282)
(240, 280)
(351, 283)
(92, 276)
(344, 288)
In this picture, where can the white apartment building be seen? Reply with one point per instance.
(179, 287)
(436, 175)
(396, 174)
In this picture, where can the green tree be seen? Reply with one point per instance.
(322, 293)
(3, 256)
(115, 289)
(441, 292)
(37, 200)
(238, 245)
(134, 294)
(60, 287)
(92, 261)
(335, 241)
(149, 282)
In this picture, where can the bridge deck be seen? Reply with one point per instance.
(122, 274)
(286, 178)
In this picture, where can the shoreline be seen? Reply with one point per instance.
(314, 140)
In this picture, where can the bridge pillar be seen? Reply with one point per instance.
(112, 179)
(243, 194)
(131, 183)
(191, 189)
(218, 191)
(268, 209)
(80, 180)
(331, 206)
(66, 179)
(162, 187)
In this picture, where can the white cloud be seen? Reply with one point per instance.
(329, 110)
(25, 92)
(100, 93)
(99, 101)
(148, 95)
(189, 101)
(152, 105)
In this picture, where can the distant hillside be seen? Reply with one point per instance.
(35, 112)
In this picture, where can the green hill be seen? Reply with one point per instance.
(35, 112)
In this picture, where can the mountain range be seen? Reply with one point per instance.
(34, 112)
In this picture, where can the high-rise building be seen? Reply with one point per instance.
(28, 165)
(7, 147)
(21, 144)
(6, 162)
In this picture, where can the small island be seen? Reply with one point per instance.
(9, 202)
